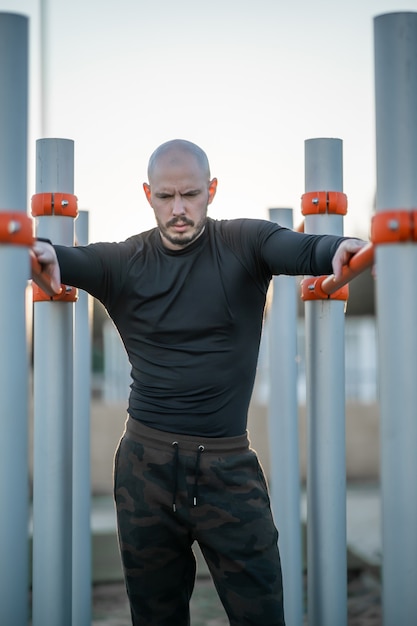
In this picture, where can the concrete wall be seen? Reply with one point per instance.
(362, 441)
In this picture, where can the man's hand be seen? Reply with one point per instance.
(344, 253)
(45, 270)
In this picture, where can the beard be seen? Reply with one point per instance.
(182, 239)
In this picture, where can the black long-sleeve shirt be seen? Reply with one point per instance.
(191, 320)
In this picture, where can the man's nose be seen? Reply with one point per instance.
(178, 205)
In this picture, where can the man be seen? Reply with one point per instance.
(188, 298)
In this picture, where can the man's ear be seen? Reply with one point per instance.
(212, 190)
(147, 190)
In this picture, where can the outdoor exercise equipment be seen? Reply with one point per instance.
(325, 403)
(53, 395)
(395, 36)
(61, 508)
(16, 237)
(283, 430)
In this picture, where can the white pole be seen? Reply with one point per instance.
(53, 410)
(81, 550)
(396, 142)
(325, 375)
(45, 49)
(14, 363)
(283, 432)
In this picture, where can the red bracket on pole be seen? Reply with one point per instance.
(311, 289)
(67, 294)
(16, 228)
(318, 202)
(47, 204)
(324, 287)
(65, 204)
(394, 226)
(315, 203)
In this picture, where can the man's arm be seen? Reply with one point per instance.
(99, 268)
(45, 270)
(288, 252)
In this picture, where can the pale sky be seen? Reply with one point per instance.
(249, 81)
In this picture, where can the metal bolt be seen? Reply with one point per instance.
(64, 202)
(311, 287)
(393, 224)
(13, 227)
(315, 200)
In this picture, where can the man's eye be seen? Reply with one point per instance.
(163, 196)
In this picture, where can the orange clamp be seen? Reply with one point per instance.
(65, 204)
(315, 202)
(67, 294)
(311, 289)
(16, 227)
(394, 226)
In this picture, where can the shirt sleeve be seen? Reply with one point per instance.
(285, 251)
(100, 268)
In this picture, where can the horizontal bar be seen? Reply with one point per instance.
(357, 264)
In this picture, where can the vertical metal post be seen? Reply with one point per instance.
(396, 144)
(53, 410)
(325, 374)
(45, 56)
(283, 432)
(81, 549)
(14, 362)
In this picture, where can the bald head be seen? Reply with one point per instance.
(179, 191)
(174, 153)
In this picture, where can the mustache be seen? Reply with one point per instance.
(179, 220)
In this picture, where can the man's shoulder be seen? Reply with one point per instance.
(144, 238)
(241, 228)
(128, 246)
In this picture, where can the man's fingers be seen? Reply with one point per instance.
(344, 253)
(45, 268)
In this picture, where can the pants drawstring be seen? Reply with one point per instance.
(196, 474)
(175, 487)
(200, 450)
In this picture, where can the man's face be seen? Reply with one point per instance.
(179, 192)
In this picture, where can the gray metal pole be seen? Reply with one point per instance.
(283, 432)
(81, 549)
(396, 143)
(45, 56)
(326, 471)
(14, 362)
(53, 410)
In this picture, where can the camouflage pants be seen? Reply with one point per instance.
(172, 490)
